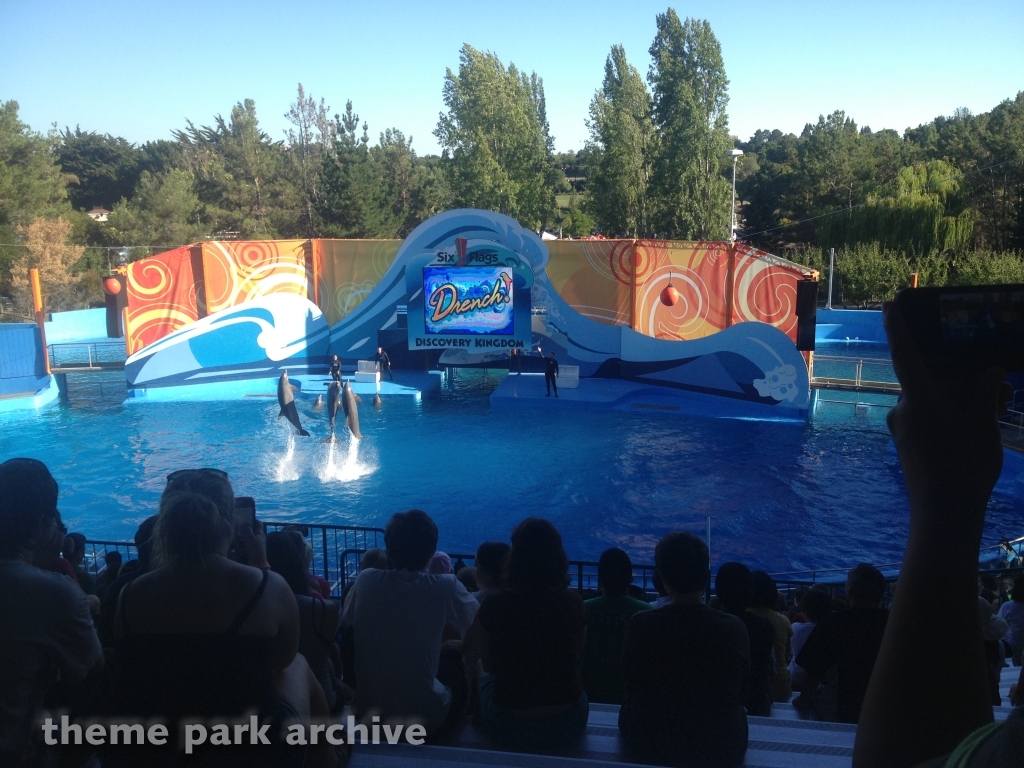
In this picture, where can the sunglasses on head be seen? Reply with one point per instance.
(182, 473)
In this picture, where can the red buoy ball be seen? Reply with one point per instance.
(112, 285)
(669, 295)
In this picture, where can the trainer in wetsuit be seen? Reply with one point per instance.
(336, 369)
(551, 374)
(383, 361)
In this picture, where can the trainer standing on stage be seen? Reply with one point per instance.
(336, 369)
(383, 361)
(550, 373)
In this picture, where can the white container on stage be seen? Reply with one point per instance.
(366, 372)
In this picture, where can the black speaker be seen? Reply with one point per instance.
(115, 287)
(806, 314)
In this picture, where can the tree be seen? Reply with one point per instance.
(165, 211)
(496, 147)
(309, 143)
(31, 184)
(102, 168)
(690, 96)
(240, 175)
(47, 249)
(625, 145)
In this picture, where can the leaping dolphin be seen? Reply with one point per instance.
(333, 403)
(286, 399)
(348, 402)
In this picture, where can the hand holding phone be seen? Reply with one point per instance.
(966, 329)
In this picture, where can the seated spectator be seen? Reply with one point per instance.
(531, 635)
(685, 665)
(993, 628)
(318, 618)
(988, 588)
(318, 584)
(663, 598)
(1013, 611)
(764, 602)
(112, 560)
(46, 630)
(607, 615)
(397, 617)
(202, 635)
(440, 564)
(108, 605)
(49, 555)
(467, 575)
(74, 544)
(375, 558)
(734, 586)
(928, 702)
(815, 604)
(841, 650)
(490, 567)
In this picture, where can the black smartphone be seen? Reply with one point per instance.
(966, 329)
(245, 512)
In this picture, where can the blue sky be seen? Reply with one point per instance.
(140, 68)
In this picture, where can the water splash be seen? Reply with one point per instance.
(286, 467)
(346, 469)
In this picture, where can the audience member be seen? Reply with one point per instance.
(467, 575)
(204, 635)
(530, 696)
(607, 615)
(840, 652)
(928, 701)
(46, 629)
(49, 555)
(734, 586)
(1013, 611)
(685, 665)
(108, 606)
(490, 567)
(112, 561)
(815, 604)
(375, 558)
(74, 545)
(317, 584)
(318, 618)
(397, 617)
(993, 628)
(440, 564)
(764, 603)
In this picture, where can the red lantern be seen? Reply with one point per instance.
(112, 285)
(669, 294)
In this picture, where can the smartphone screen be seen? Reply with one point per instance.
(245, 512)
(982, 318)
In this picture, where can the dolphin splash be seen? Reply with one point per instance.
(286, 399)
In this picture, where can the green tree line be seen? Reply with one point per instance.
(945, 199)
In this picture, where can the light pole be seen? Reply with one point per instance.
(732, 226)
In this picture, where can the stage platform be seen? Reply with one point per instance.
(527, 390)
(406, 384)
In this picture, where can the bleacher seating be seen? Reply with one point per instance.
(787, 739)
(366, 372)
(568, 376)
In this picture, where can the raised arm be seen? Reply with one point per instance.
(926, 697)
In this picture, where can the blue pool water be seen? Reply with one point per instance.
(781, 497)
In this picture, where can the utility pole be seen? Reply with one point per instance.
(831, 268)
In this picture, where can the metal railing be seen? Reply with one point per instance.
(881, 373)
(328, 542)
(1012, 426)
(91, 356)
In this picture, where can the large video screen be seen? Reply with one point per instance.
(468, 300)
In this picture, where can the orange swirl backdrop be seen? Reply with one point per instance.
(347, 270)
(616, 282)
(234, 272)
(162, 296)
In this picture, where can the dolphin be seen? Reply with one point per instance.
(286, 399)
(348, 402)
(318, 404)
(333, 403)
(376, 401)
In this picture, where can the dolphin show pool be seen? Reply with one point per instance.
(688, 393)
(781, 497)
